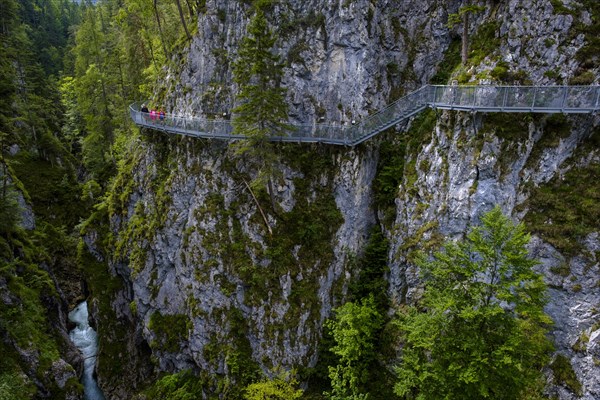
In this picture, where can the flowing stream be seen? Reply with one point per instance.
(86, 340)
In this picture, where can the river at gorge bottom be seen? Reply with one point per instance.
(85, 339)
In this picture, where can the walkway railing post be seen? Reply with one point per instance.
(429, 94)
(597, 97)
(564, 100)
(535, 90)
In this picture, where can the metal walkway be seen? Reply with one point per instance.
(531, 99)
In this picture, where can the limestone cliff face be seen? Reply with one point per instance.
(473, 161)
(345, 58)
(211, 271)
(206, 269)
(196, 266)
(464, 170)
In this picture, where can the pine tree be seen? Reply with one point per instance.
(463, 17)
(261, 109)
(483, 332)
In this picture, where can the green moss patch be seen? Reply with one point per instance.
(170, 330)
(13, 383)
(564, 210)
(564, 374)
(588, 54)
(510, 127)
(555, 128)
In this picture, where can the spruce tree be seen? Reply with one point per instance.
(261, 108)
(463, 17)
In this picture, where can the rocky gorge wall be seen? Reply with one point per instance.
(210, 289)
(464, 169)
(344, 58)
(210, 269)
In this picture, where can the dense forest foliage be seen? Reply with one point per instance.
(39, 199)
(67, 75)
(68, 71)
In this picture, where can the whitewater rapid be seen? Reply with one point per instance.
(86, 340)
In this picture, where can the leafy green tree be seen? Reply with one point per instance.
(354, 330)
(261, 109)
(282, 387)
(8, 87)
(119, 53)
(48, 28)
(483, 332)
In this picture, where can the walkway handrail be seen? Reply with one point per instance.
(535, 99)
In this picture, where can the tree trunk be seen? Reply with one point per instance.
(190, 8)
(272, 194)
(465, 38)
(259, 207)
(182, 17)
(162, 39)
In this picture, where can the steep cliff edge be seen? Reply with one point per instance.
(212, 288)
(209, 289)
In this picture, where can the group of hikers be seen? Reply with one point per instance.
(154, 115)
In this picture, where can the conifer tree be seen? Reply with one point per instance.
(483, 332)
(463, 17)
(261, 109)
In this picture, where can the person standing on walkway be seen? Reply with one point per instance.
(144, 111)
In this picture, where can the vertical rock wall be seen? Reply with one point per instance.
(204, 268)
(206, 265)
(343, 59)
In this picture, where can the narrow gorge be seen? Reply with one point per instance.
(202, 279)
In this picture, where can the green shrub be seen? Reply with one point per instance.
(484, 42)
(564, 374)
(584, 78)
(180, 386)
(170, 330)
(500, 71)
(14, 387)
(565, 209)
